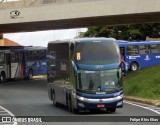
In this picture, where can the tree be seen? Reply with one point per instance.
(127, 32)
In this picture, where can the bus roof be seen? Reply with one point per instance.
(34, 47)
(80, 40)
(21, 47)
(123, 43)
(11, 47)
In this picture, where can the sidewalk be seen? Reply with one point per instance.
(141, 100)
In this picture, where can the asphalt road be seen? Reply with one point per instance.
(29, 98)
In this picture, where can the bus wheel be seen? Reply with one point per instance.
(134, 66)
(111, 109)
(30, 74)
(69, 105)
(2, 78)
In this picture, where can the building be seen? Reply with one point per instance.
(7, 42)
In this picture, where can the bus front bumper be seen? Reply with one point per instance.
(85, 103)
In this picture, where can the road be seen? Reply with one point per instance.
(29, 98)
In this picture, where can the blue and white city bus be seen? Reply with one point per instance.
(22, 62)
(34, 61)
(139, 54)
(85, 74)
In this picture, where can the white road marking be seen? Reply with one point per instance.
(145, 107)
(8, 113)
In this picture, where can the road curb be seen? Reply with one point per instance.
(144, 101)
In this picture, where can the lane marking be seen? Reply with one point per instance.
(10, 113)
(142, 107)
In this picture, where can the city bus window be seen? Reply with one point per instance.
(155, 49)
(132, 50)
(158, 48)
(144, 49)
(1, 57)
(122, 51)
(13, 57)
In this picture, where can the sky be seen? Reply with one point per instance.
(41, 38)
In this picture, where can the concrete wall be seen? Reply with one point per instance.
(80, 13)
(31, 3)
(81, 10)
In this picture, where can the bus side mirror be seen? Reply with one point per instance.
(74, 68)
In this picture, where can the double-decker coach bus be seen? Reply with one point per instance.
(85, 74)
(22, 62)
(139, 54)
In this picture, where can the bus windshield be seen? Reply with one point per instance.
(99, 81)
(97, 53)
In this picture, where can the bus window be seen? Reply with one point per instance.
(155, 49)
(13, 57)
(1, 58)
(132, 50)
(158, 48)
(122, 51)
(144, 49)
(43, 54)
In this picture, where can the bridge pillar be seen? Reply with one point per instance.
(1, 39)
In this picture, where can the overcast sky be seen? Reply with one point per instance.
(42, 38)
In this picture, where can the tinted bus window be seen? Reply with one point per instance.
(94, 53)
(1, 57)
(144, 49)
(132, 50)
(155, 49)
(14, 57)
(43, 54)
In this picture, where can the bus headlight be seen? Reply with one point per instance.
(81, 98)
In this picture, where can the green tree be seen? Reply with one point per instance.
(127, 32)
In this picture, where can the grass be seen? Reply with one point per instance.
(144, 83)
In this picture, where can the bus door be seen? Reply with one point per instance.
(123, 58)
(8, 65)
(122, 51)
(16, 64)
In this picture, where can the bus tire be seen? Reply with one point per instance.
(30, 75)
(134, 66)
(111, 109)
(2, 77)
(69, 105)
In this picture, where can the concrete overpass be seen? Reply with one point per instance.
(36, 15)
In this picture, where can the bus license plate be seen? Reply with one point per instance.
(100, 106)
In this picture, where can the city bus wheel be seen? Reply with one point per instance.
(134, 66)
(2, 78)
(69, 105)
(30, 74)
(111, 109)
